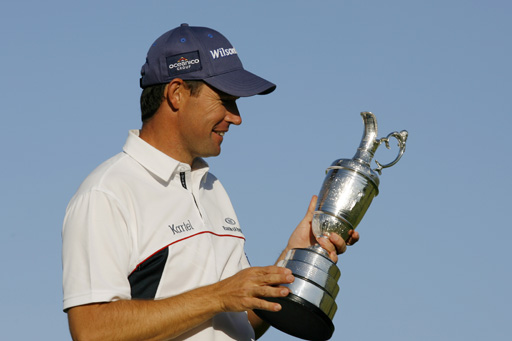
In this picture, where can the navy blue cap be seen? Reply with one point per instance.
(200, 53)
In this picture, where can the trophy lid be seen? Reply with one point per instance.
(360, 162)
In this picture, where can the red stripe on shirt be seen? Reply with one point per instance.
(182, 239)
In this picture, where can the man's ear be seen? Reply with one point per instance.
(176, 93)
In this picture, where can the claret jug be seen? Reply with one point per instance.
(346, 193)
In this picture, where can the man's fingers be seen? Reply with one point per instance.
(265, 283)
(353, 237)
(263, 304)
(330, 247)
(271, 291)
(276, 279)
(271, 275)
(338, 243)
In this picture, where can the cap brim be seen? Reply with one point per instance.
(241, 83)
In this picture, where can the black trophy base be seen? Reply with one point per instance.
(298, 318)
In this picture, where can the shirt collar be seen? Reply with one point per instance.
(155, 161)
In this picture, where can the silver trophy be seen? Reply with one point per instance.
(348, 190)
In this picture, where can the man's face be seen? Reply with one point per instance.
(204, 119)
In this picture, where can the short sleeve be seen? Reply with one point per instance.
(245, 261)
(96, 250)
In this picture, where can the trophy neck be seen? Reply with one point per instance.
(320, 250)
(369, 142)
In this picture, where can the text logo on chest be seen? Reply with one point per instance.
(231, 228)
(186, 226)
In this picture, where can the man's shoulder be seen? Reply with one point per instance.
(106, 173)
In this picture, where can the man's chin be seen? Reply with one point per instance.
(212, 153)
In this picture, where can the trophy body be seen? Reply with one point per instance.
(347, 191)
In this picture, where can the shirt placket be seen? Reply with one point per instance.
(188, 184)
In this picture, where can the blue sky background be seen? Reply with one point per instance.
(434, 258)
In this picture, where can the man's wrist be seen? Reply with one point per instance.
(283, 254)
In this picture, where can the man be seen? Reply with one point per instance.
(152, 248)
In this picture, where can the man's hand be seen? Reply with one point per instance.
(303, 236)
(244, 291)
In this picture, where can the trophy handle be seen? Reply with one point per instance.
(401, 137)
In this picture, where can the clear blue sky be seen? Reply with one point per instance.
(433, 262)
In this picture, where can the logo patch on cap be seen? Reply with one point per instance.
(183, 63)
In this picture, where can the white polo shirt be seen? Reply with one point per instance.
(143, 225)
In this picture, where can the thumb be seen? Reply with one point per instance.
(311, 208)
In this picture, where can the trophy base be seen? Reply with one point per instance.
(298, 318)
(308, 309)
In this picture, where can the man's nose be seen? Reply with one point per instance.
(233, 115)
(234, 118)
